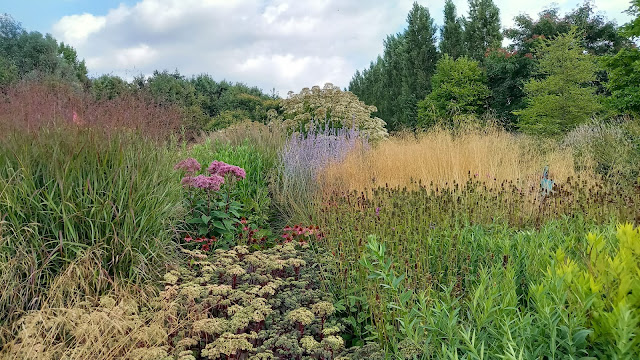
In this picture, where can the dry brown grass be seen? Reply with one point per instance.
(442, 157)
(77, 321)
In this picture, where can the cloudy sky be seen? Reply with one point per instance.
(281, 44)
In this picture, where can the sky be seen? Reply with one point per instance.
(284, 45)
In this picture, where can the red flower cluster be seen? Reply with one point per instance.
(206, 242)
(249, 233)
(301, 233)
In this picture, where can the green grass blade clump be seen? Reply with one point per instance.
(66, 191)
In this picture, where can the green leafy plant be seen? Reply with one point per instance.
(212, 212)
(607, 288)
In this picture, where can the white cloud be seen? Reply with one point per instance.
(281, 44)
(75, 29)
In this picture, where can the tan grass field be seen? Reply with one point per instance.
(441, 157)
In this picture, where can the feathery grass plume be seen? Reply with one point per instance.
(33, 105)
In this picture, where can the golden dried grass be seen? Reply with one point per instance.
(442, 157)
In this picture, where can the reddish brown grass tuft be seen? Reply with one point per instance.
(32, 105)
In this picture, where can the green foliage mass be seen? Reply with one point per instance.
(600, 36)
(563, 97)
(33, 55)
(603, 290)
(452, 33)
(459, 87)
(482, 28)
(507, 73)
(624, 69)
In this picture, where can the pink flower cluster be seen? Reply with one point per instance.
(221, 168)
(211, 183)
(190, 165)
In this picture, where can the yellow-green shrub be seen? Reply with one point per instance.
(606, 287)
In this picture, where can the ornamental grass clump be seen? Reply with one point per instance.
(68, 192)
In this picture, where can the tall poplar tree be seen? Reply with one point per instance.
(402, 76)
(451, 33)
(482, 28)
(421, 52)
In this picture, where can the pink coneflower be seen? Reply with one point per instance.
(211, 183)
(190, 165)
(222, 169)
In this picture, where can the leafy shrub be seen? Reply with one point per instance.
(576, 311)
(606, 287)
(68, 191)
(332, 108)
(211, 209)
(252, 192)
(562, 96)
(459, 87)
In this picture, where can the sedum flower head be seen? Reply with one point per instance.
(323, 308)
(309, 343)
(301, 315)
(228, 344)
(333, 342)
(213, 326)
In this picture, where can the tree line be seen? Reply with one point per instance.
(557, 71)
(206, 104)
